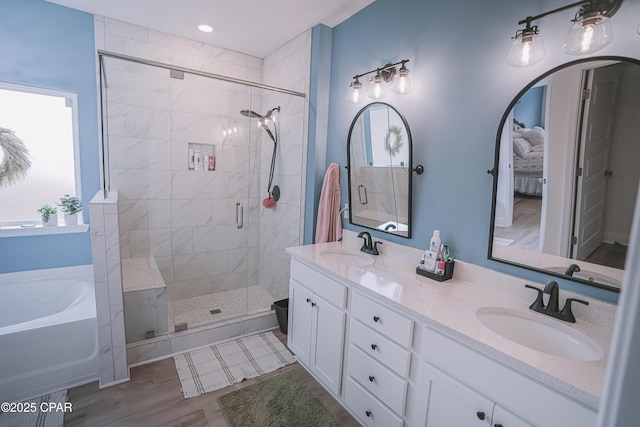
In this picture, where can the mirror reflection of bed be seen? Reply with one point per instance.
(586, 178)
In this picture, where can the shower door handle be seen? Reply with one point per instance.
(362, 194)
(239, 215)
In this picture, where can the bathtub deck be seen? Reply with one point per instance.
(153, 397)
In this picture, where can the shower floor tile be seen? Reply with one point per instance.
(197, 311)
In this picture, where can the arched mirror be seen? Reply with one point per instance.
(379, 163)
(566, 172)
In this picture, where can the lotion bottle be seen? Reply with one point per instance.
(434, 244)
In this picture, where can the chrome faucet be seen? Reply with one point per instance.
(573, 268)
(369, 246)
(551, 308)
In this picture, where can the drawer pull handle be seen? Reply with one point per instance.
(497, 425)
(308, 300)
(376, 319)
(313, 304)
(480, 415)
(371, 378)
(368, 413)
(374, 346)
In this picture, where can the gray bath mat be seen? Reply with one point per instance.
(280, 401)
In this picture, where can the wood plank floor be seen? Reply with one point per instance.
(153, 398)
(525, 231)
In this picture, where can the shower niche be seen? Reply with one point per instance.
(201, 157)
(184, 224)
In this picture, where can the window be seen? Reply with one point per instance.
(46, 121)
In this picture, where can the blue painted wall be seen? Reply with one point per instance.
(46, 45)
(462, 86)
(529, 109)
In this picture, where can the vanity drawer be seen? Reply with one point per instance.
(385, 321)
(367, 408)
(377, 379)
(380, 348)
(327, 288)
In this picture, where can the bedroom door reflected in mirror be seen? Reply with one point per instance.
(568, 174)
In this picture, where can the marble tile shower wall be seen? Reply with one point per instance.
(288, 67)
(184, 219)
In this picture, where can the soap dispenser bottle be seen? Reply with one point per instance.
(434, 243)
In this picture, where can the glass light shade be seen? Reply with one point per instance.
(355, 94)
(377, 88)
(588, 34)
(526, 50)
(402, 82)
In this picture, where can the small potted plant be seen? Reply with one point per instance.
(49, 215)
(70, 205)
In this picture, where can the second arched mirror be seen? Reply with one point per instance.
(567, 151)
(379, 152)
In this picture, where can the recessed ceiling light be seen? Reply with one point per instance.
(205, 28)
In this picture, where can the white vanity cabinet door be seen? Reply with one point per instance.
(540, 405)
(299, 322)
(327, 343)
(316, 332)
(450, 403)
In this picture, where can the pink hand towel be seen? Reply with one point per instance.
(329, 225)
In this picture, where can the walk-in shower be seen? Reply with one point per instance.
(273, 195)
(185, 262)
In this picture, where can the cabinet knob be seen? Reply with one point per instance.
(376, 319)
(371, 378)
(374, 346)
(308, 300)
(480, 415)
(368, 413)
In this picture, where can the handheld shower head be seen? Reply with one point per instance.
(264, 121)
(270, 112)
(252, 114)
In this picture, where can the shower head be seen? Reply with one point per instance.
(270, 112)
(252, 114)
(264, 121)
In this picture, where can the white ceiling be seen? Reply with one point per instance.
(254, 27)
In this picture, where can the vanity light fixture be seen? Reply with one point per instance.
(377, 88)
(591, 31)
(527, 47)
(387, 77)
(355, 94)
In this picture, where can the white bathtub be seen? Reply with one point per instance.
(48, 331)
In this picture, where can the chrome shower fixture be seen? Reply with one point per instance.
(264, 122)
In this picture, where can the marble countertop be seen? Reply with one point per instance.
(450, 307)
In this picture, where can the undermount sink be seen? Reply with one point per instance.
(346, 257)
(544, 335)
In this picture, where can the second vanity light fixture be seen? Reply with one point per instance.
(591, 31)
(399, 81)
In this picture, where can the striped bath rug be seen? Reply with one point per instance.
(220, 365)
(44, 411)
